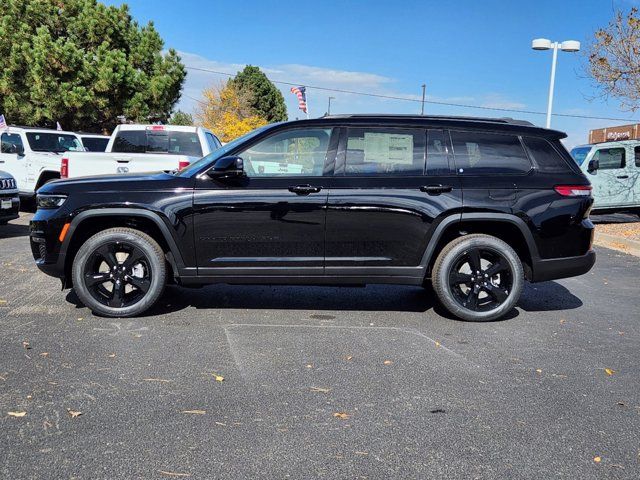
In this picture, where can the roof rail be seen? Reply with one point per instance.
(506, 120)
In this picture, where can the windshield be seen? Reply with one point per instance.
(579, 154)
(219, 153)
(53, 142)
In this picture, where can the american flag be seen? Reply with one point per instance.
(3, 122)
(300, 92)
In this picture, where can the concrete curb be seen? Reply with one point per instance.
(615, 242)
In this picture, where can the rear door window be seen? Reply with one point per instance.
(636, 154)
(385, 151)
(480, 153)
(610, 158)
(437, 153)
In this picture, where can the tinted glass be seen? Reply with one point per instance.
(478, 153)
(53, 142)
(636, 152)
(579, 154)
(299, 152)
(545, 156)
(212, 141)
(141, 141)
(10, 142)
(610, 158)
(437, 158)
(384, 151)
(94, 144)
(130, 141)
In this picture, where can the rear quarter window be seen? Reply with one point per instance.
(480, 153)
(545, 156)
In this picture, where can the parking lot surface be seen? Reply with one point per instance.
(316, 382)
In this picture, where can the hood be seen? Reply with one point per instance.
(117, 183)
(5, 174)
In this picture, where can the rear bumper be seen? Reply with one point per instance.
(554, 268)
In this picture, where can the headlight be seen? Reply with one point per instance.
(50, 201)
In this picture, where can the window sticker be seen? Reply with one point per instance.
(388, 148)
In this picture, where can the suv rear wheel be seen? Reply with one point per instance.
(478, 277)
(119, 272)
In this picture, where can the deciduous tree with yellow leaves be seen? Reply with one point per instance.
(226, 110)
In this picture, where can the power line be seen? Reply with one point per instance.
(432, 102)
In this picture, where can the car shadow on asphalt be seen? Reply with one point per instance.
(547, 296)
(11, 230)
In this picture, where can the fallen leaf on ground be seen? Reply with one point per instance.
(219, 378)
(349, 357)
(44, 354)
(221, 424)
(387, 362)
(597, 459)
(309, 366)
(156, 380)
(341, 415)
(538, 370)
(562, 320)
(622, 404)
(26, 345)
(16, 414)
(319, 389)
(112, 355)
(3, 302)
(195, 412)
(608, 371)
(80, 319)
(174, 474)
(73, 413)
(361, 453)
(437, 344)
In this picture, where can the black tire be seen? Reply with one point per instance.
(469, 296)
(142, 271)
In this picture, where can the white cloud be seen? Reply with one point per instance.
(343, 102)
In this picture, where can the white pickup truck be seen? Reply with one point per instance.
(33, 155)
(142, 148)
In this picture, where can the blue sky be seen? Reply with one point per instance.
(467, 51)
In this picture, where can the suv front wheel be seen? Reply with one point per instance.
(478, 277)
(119, 272)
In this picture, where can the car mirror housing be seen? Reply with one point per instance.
(227, 167)
(593, 166)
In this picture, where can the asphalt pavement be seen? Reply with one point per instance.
(318, 382)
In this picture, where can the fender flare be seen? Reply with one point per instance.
(484, 217)
(176, 254)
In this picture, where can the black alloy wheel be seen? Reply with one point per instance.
(118, 274)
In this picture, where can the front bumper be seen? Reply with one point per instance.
(554, 268)
(13, 211)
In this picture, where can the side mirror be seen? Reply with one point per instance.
(593, 166)
(19, 150)
(227, 167)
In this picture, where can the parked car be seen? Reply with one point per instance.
(9, 199)
(142, 148)
(613, 168)
(475, 206)
(93, 142)
(32, 155)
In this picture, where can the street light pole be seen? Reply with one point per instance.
(424, 87)
(566, 46)
(552, 83)
(329, 107)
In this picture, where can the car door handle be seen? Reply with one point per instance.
(304, 189)
(436, 189)
(622, 176)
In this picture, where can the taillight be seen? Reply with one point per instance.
(64, 168)
(183, 164)
(573, 190)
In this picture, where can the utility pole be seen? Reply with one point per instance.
(424, 87)
(329, 107)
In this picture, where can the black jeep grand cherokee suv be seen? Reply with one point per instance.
(472, 205)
